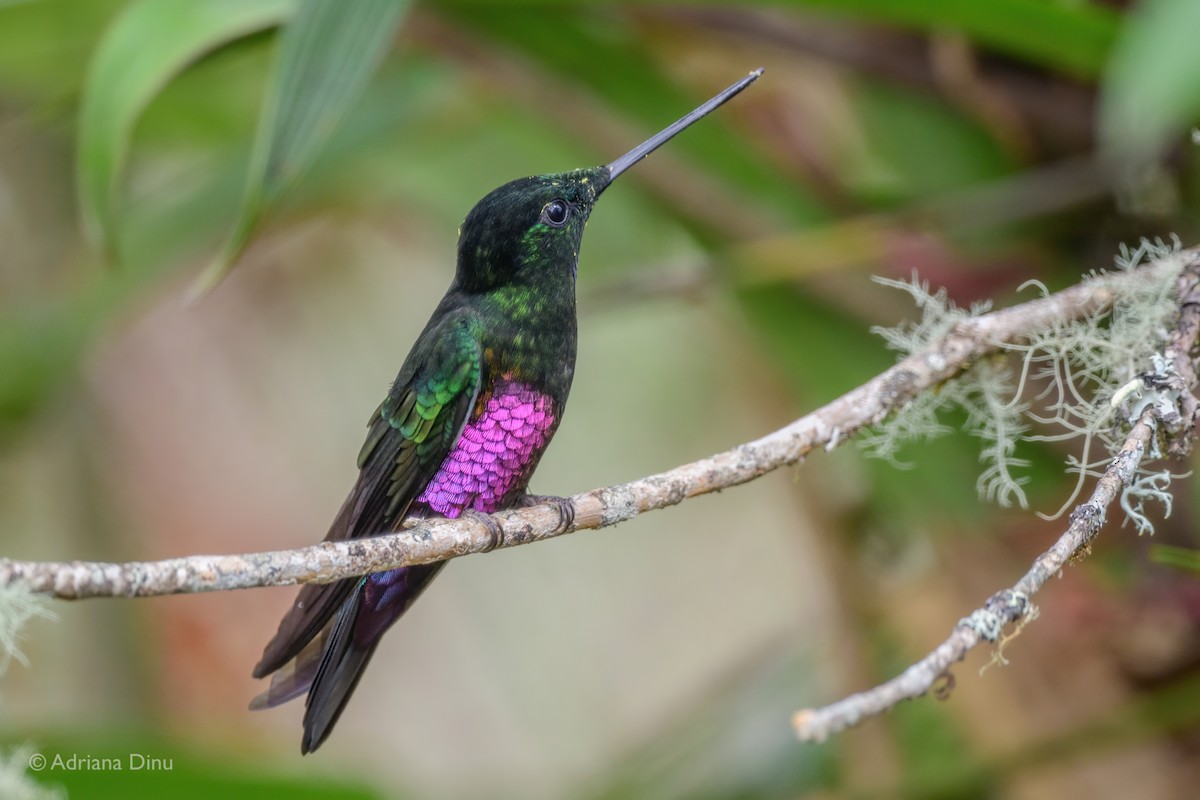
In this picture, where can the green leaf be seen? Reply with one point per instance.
(148, 44)
(326, 56)
(1074, 37)
(1152, 86)
(1180, 557)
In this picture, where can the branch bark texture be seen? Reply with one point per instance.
(440, 539)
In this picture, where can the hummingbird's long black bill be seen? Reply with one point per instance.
(647, 147)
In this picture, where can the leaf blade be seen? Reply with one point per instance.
(148, 44)
(1179, 557)
(1152, 85)
(327, 54)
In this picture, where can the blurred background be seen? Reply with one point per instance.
(724, 289)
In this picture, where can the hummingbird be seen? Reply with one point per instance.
(464, 424)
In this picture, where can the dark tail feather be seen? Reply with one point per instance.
(310, 616)
(293, 678)
(374, 605)
(315, 607)
(328, 662)
(340, 668)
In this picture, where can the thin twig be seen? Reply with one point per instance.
(1014, 604)
(439, 539)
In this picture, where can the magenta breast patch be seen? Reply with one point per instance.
(493, 455)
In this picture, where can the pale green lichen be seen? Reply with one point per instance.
(17, 607)
(1081, 374)
(15, 783)
(939, 315)
(984, 392)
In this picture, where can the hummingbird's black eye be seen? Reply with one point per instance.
(556, 212)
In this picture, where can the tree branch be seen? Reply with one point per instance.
(440, 539)
(1013, 604)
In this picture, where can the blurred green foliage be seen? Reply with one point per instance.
(1179, 557)
(142, 50)
(1152, 82)
(187, 119)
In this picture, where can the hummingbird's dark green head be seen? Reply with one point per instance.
(528, 231)
(526, 227)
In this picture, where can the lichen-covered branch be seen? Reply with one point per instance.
(436, 540)
(1014, 604)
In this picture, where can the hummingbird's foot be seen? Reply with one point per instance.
(495, 532)
(564, 506)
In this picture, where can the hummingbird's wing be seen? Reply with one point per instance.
(410, 435)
